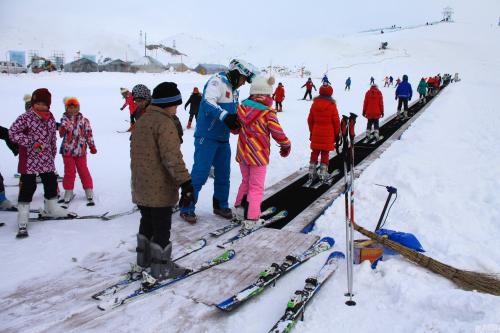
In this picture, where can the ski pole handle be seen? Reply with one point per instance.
(352, 123)
(343, 126)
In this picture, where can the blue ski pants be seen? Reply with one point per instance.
(209, 152)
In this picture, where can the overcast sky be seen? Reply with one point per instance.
(225, 20)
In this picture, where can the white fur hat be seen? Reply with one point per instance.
(262, 85)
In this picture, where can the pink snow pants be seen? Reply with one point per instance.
(73, 164)
(252, 185)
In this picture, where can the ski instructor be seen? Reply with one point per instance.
(216, 117)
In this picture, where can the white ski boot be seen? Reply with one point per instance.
(89, 194)
(376, 135)
(252, 224)
(312, 171)
(52, 209)
(239, 213)
(68, 196)
(23, 214)
(323, 172)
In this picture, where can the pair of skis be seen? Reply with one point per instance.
(317, 182)
(142, 291)
(236, 222)
(105, 217)
(372, 140)
(268, 220)
(132, 276)
(297, 304)
(273, 273)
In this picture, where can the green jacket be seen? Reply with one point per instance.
(422, 87)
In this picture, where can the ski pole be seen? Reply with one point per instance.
(350, 244)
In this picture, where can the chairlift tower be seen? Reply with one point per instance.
(447, 14)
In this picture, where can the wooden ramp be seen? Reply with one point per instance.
(47, 306)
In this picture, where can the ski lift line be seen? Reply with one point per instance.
(406, 55)
(305, 205)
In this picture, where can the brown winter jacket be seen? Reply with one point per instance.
(156, 160)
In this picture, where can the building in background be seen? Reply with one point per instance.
(81, 65)
(116, 65)
(205, 69)
(148, 64)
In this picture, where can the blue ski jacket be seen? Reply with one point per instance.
(217, 102)
(404, 90)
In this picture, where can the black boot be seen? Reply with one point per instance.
(226, 213)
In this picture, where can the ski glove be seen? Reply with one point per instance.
(231, 121)
(37, 147)
(93, 150)
(285, 150)
(187, 194)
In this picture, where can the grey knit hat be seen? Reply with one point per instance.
(141, 91)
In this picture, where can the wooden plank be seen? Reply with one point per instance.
(254, 253)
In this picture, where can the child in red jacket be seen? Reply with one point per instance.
(129, 100)
(373, 110)
(324, 128)
(76, 133)
(279, 97)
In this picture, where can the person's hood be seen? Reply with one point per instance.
(254, 107)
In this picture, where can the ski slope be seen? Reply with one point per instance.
(445, 168)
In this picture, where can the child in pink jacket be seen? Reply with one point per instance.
(258, 122)
(35, 133)
(76, 133)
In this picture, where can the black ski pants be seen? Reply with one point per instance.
(27, 186)
(372, 122)
(308, 92)
(156, 223)
(403, 102)
(279, 106)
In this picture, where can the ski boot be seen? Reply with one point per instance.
(162, 266)
(143, 257)
(23, 215)
(240, 211)
(226, 213)
(89, 194)
(252, 224)
(369, 135)
(399, 114)
(405, 114)
(68, 196)
(52, 209)
(323, 172)
(376, 135)
(312, 172)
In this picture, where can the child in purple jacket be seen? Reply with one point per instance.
(35, 133)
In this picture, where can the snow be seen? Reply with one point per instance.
(445, 168)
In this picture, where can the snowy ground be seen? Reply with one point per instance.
(445, 168)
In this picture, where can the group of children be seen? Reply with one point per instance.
(34, 135)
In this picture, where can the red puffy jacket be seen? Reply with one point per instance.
(373, 106)
(324, 123)
(279, 94)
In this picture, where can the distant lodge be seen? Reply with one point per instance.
(145, 64)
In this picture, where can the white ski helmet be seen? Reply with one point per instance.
(244, 68)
